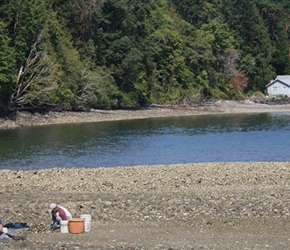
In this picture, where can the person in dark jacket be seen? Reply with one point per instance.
(5, 236)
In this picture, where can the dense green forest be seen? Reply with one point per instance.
(81, 54)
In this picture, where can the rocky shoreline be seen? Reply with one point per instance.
(180, 206)
(24, 118)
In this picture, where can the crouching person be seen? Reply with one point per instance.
(5, 236)
(58, 214)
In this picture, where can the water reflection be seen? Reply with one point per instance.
(243, 137)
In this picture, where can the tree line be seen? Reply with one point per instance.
(82, 54)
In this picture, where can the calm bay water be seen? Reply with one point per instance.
(210, 138)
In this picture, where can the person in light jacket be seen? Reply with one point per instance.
(58, 213)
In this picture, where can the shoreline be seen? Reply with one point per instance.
(27, 119)
(219, 205)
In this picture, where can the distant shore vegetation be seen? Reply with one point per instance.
(110, 54)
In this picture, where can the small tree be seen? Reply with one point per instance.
(239, 80)
(238, 83)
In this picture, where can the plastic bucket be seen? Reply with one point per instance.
(88, 221)
(64, 226)
(76, 226)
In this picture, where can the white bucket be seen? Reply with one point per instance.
(64, 226)
(88, 221)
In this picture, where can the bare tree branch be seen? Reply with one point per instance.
(36, 69)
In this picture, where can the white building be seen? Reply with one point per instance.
(279, 87)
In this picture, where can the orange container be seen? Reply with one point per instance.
(76, 225)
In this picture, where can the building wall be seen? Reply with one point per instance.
(278, 89)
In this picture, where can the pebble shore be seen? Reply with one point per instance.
(186, 199)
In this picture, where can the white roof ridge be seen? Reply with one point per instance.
(283, 76)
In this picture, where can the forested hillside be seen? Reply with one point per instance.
(80, 54)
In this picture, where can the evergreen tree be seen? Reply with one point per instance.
(7, 70)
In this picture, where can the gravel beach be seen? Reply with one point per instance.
(180, 206)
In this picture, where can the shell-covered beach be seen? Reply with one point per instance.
(188, 206)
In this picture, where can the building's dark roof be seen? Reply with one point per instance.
(283, 79)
